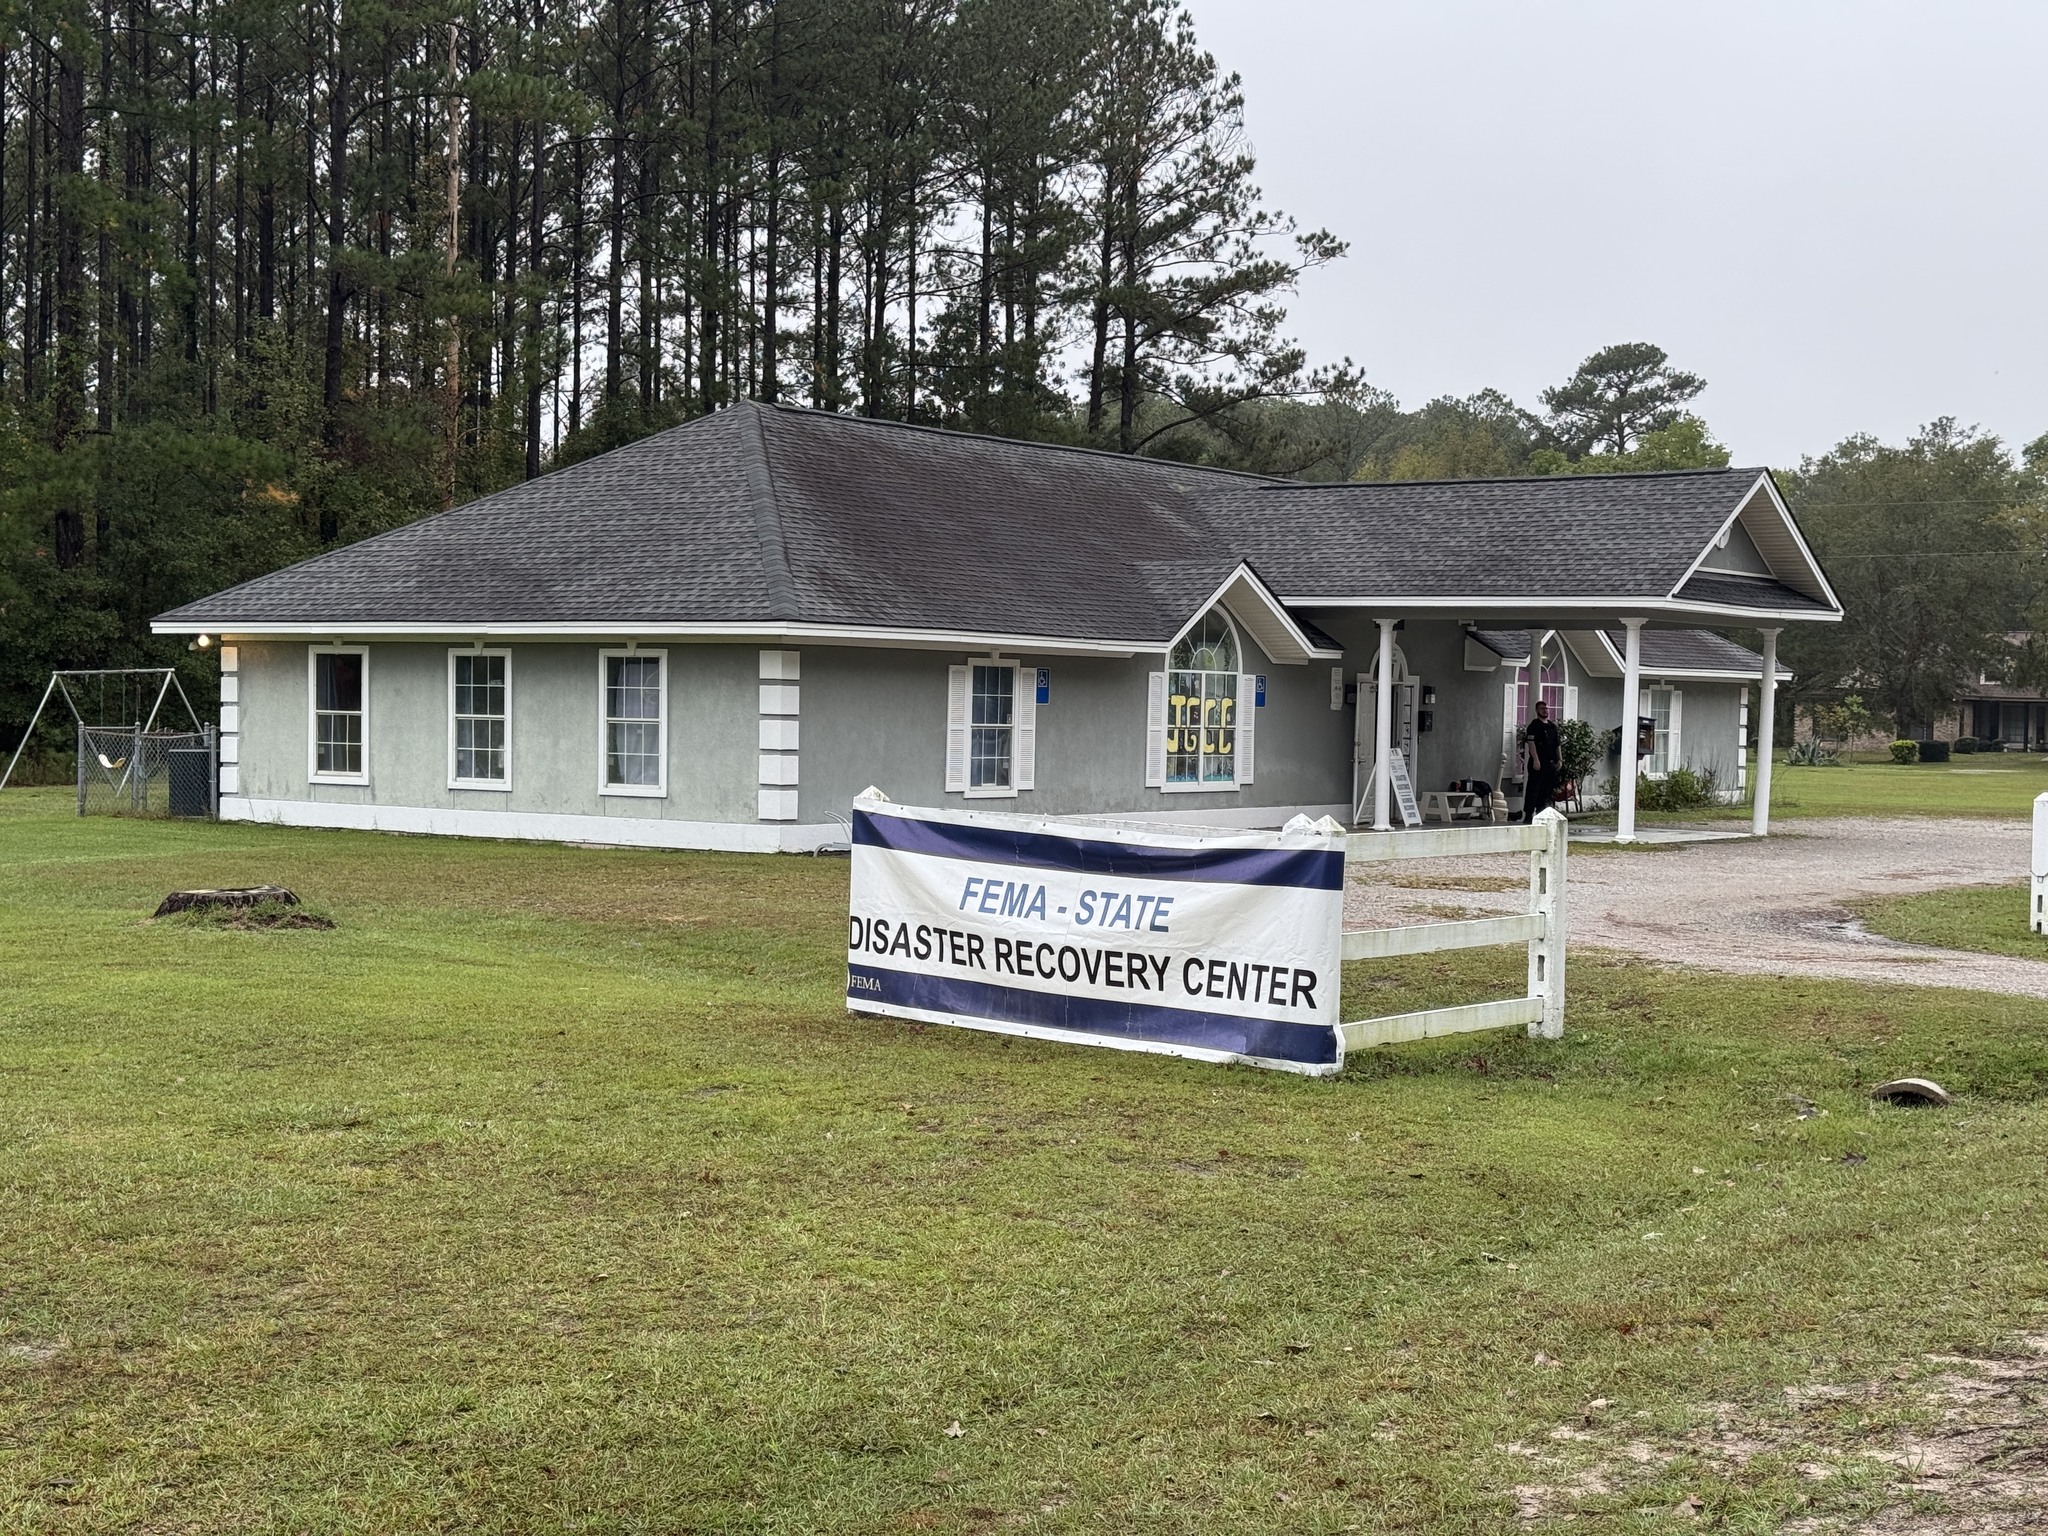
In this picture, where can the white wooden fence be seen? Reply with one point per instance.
(1542, 927)
(2037, 888)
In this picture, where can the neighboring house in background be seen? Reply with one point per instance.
(1988, 709)
(2017, 718)
(717, 636)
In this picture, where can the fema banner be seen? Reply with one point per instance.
(1223, 947)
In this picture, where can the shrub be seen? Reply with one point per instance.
(1845, 720)
(1905, 751)
(1811, 754)
(1965, 744)
(1578, 750)
(1933, 751)
(1682, 789)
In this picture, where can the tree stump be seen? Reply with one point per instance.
(241, 896)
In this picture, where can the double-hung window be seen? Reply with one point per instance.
(991, 729)
(338, 745)
(993, 720)
(1663, 705)
(634, 725)
(479, 718)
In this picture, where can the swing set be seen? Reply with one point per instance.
(125, 763)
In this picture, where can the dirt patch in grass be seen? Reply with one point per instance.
(1952, 1446)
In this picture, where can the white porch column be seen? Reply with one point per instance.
(1631, 706)
(1760, 810)
(1383, 733)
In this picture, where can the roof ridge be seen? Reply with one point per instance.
(818, 414)
(1620, 474)
(775, 571)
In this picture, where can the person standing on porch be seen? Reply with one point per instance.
(1540, 773)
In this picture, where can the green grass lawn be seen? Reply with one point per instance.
(553, 1190)
(1988, 918)
(1984, 784)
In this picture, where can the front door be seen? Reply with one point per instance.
(1364, 741)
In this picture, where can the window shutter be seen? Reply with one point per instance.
(1508, 724)
(1155, 731)
(1247, 720)
(1571, 703)
(1676, 755)
(1024, 727)
(957, 682)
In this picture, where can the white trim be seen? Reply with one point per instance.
(313, 773)
(994, 791)
(503, 785)
(1515, 609)
(1198, 786)
(654, 791)
(1789, 524)
(718, 633)
(1286, 621)
(528, 826)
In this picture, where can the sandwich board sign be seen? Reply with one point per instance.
(1404, 789)
(1221, 947)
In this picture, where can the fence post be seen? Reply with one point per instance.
(2037, 910)
(1546, 952)
(138, 775)
(81, 768)
(212, 772)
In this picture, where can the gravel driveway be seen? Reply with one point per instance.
(1763, 908)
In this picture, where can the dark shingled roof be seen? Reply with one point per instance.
(1663, 650)
(764, 515)
(1558, 536)
(1748, 592)
(758, 514)
(1694, 650)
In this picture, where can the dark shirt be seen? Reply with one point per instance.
(1543, 746)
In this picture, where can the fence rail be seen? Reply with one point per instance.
(1541, 927)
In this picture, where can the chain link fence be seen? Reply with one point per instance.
(124, 770)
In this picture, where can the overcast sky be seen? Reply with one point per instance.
(1833, 210)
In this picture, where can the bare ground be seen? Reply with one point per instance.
(1973, 1461)
(1770, 907)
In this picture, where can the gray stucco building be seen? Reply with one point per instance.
(717, 636)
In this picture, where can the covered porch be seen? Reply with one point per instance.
(1610, 610)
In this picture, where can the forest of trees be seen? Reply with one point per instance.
(276, 274)
(279, 274)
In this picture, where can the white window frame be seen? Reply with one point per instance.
(456, 781)
(1239, 726)
(1023, 728)
(313, 655)
(659, 789)
(1673, 733)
